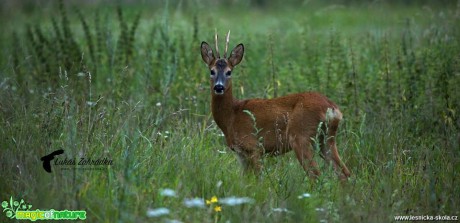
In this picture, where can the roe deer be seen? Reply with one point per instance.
(254, 127)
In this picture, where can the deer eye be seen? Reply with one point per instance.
(228, 73)
(213, 73)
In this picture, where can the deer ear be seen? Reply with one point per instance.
(206, 53)
(237, 55)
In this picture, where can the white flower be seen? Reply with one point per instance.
(168, 192)
(157, 212)
(232, 201)
(281, 210)
(172, 221)
(194, 203)
(91, 104)
(158, 104)
(305, 195)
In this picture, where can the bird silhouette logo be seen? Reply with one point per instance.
(47, 159)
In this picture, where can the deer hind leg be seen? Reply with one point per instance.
(326, 153)
(339, 166)
(329, 148)
(304, 153)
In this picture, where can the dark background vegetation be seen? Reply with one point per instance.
(125, 80)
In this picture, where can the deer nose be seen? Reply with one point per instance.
(219, 89)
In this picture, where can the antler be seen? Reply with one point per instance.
(217, 48)
(226, 44)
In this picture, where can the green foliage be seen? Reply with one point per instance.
(110, 81)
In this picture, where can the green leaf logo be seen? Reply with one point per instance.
(13, 206)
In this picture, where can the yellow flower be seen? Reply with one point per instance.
(218, 209)
(214, 199)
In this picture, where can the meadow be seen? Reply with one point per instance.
(126, 82)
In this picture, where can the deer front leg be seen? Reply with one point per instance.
(249, 156)
(250, 162)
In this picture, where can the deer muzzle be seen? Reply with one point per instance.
(219, 84)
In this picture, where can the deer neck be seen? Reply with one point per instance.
(222, 109)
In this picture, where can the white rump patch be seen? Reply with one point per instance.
(333, 113)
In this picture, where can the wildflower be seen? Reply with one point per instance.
(232, 201)
(319, 209)
(305, 195)
(168, 192)
(281, 210)
(194, 202)
(157, 212)
(213, 200)
(91, 104)
(172, 221)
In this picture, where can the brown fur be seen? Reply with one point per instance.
(285, 123)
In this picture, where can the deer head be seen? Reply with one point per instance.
(221, 68)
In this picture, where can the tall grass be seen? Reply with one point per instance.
(129, 85)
